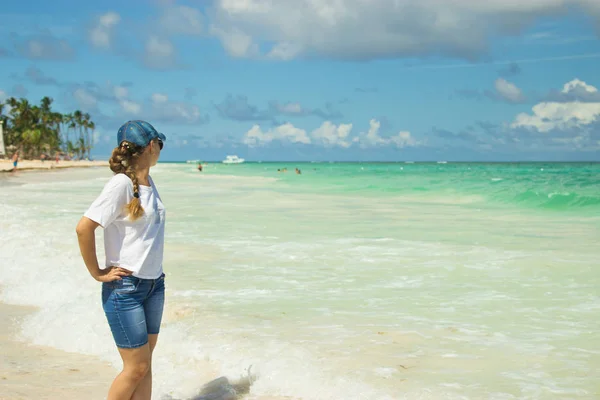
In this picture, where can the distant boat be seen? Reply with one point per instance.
(233, 160)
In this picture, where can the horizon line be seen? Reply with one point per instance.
(379, 161)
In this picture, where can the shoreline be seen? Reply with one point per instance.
(6, 166)
(30, 371)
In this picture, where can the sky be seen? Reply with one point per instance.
(319, 80)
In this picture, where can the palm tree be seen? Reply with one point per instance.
(69, 121)
(89, 129)
(81, 147)
(35, 128)
(56, 120)
(20, 112)
(3, 118)
(78, 124)
(46, 124)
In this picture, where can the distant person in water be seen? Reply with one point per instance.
(133, 288)
(199, 167)
(298, 171)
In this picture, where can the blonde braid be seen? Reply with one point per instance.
(122, 161)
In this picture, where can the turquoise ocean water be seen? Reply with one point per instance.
(348, 281)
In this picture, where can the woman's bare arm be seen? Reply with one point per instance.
(87, 246)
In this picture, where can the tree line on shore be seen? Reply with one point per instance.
(36, 130)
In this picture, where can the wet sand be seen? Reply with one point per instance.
(39, 372)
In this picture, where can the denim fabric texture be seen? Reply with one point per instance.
(133, 308)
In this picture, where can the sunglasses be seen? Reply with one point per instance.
(160, 144)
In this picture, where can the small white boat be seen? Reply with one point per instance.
(233, 160)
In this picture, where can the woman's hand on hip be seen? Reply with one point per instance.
(112, 274)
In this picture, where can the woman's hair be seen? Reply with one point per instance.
(123, 161)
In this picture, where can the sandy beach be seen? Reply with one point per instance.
(28, 165)
(39, 372)
(34, 372)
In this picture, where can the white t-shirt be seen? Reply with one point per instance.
(133, 245)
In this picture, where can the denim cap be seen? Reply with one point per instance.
(138, 132)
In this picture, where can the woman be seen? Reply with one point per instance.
(133, 292)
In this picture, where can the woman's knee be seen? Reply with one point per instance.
(137, 371)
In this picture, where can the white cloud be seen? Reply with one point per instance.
(373, 139)
(90, 95)
(85, 99)
(181, 20)
(120, 92)
(579, 90)
(176, 112)
(360, 29)
(330, 135)
(159, 53)
(256, 137)
(36, 49)
(109, 19)
(157, 47)
(592, 6)
(509, 91)
(101, 35)
(236, 42)
(289, 108)
(43, 46)
(3, 95)
(403, 139)
(158, 98)
(552, 115)
(578, 142)
(295, 109)
(131, 107)
(577, 84)
(284, 51)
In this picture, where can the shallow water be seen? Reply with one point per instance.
(349, 281)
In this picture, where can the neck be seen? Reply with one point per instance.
(142, 175)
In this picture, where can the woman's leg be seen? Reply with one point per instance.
(153, 310)
(136, 363)
(123, 303)
(144, 388)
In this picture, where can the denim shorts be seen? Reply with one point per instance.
(133, 308)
